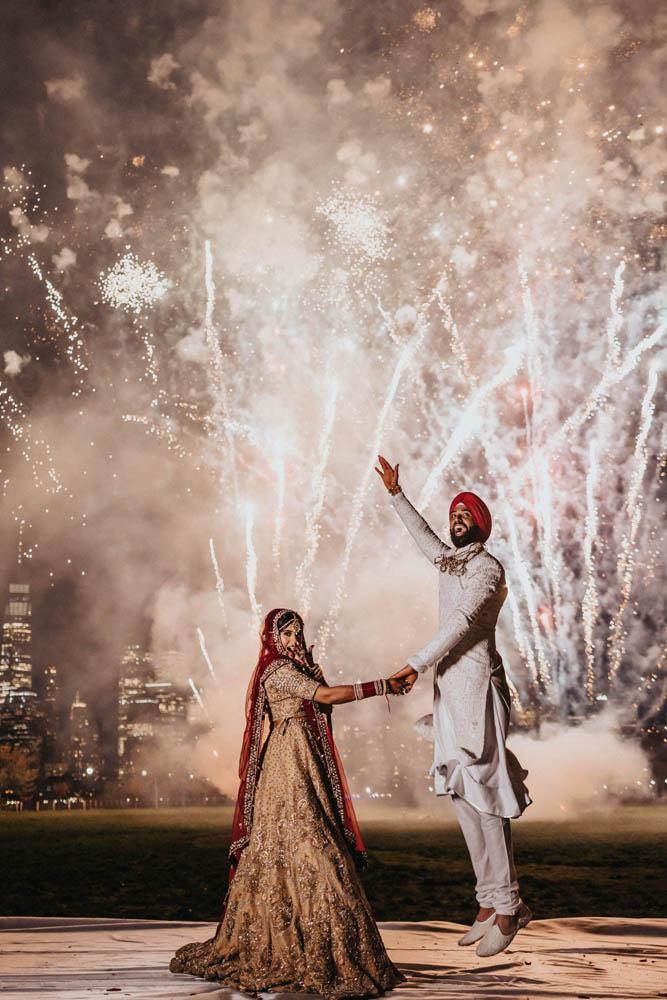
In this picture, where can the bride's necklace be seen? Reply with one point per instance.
(457, 566)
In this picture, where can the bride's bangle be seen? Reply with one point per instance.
(368, 689)
(394, 490)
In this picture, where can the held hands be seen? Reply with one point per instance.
(406, 676)
(388, 475)
(397, 685)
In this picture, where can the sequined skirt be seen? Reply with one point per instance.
(297, 918)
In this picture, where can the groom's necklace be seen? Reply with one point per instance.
(456, 566)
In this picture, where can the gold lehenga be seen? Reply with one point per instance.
(297, 918)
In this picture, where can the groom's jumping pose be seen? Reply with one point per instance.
(471, 706)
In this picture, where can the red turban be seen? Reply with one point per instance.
(481, 514)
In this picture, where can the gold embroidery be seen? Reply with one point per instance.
(456, 566)
(297, 918)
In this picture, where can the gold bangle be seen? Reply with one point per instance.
(395, 490)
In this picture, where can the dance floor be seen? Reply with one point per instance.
(596, 957)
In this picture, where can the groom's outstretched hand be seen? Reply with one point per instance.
(408, 675)
(387, 474)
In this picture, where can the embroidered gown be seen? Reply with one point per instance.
(297, 918)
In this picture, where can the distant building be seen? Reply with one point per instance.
(20, 716)
(152, 709)
(84, 740)
(54, 756)
(15, 649)
(138, 711)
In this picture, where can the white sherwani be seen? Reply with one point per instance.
(471, 699)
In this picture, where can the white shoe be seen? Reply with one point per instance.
(494, 941)
(477, 931)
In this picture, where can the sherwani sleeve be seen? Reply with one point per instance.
(481, 587)
(423, 534)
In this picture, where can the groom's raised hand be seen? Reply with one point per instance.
(387, 474)
(408, 674)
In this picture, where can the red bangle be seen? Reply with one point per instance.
(368, 689)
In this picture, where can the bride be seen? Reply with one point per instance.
(296, 917)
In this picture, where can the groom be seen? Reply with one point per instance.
(471, 706)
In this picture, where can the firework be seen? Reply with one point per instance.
(358, 225)
(590, 601)
(303, 585)
(204, 651)
(506, 207)
(403, 362)
(279, 464)
(219, 582)
(634, 508)
(132, 285)
(197, 695)
(251, 568)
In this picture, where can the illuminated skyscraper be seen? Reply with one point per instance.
(55, 761)
(15, 650)
(85, 759)
(138, 712)
(19, 710)
(152, 708)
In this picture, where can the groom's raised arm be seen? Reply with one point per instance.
(423, 534)
(425, 537)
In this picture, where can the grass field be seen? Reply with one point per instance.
(172, 864)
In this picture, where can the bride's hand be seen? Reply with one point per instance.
(398, 685)
(314, 668)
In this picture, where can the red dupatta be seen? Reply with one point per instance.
(272, 655)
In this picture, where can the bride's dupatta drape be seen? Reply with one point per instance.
(272, 655)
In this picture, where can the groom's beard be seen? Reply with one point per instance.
(465, 537)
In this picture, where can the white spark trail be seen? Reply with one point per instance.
(634, 509)
(500, 469)
(538, 459)
(590, 601)
(529, 593)
(616, 317)
(219, 582)
(251, 567)
(525, 648)
(74, 340)
(470, 421)
(456, 342)
(610, 378)
(532, 333)
(202, 646)
(303, 584)
(280, 508)
(545, 509)
(220, 412)
(196, 694)
(14, 417)
(356, 516)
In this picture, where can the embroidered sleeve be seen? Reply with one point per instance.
(482, 588)
(291, 683)
(427, 540)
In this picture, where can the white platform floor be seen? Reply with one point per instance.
(588, 957)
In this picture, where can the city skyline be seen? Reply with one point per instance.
(61, 737)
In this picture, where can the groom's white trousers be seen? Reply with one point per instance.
(489, 841)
